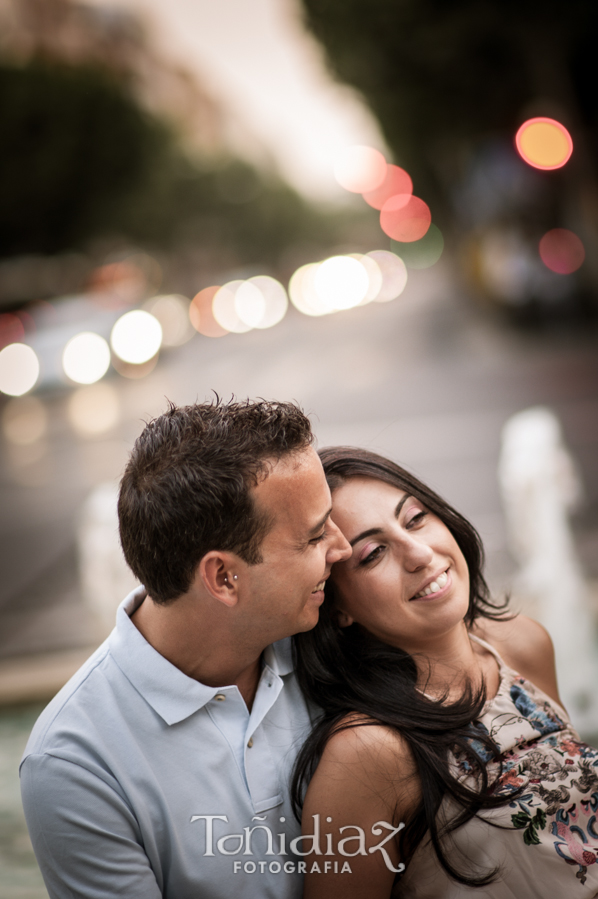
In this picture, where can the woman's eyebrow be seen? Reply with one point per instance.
(372, 531)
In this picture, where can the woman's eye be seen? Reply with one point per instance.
(417, 519)
(371, 556)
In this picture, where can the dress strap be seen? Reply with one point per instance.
(501, 663)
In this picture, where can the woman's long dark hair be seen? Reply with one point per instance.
(347, 671)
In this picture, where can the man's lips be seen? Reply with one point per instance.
(320, 586)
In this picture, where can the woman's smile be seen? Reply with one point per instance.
(407, 581)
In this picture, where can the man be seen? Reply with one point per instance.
(162, 768)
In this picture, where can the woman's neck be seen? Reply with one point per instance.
(451, 662)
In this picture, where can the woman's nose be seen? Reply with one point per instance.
(416, 554)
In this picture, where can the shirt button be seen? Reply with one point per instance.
(250, 742)
(219, 697)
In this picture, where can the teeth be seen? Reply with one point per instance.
(435, 586)
(320, 586)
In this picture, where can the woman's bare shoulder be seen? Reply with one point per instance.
(358, 739)
(374, 758)
(525, 645)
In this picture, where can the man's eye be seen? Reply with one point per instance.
(320, 538)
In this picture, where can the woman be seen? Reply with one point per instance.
(440, 713)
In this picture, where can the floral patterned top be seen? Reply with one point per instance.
(549, 849)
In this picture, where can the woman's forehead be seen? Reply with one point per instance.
(361, 495)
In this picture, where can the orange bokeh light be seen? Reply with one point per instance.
(544, 143)
(397, 181)
(201, 315)
(405, 218)
(360, 169)
(562, 251)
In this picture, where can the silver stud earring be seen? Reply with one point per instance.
(235, 578)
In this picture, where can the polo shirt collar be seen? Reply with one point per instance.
(171, 694)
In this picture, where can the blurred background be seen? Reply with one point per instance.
(385, 210)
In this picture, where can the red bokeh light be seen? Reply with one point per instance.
(562, 251)
(397, 181)
(405, 220)
(11, 329)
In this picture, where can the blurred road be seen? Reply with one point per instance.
(427, 379)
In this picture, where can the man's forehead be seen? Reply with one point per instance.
(294, 488)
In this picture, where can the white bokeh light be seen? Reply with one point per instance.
(394, 274)
(136, 337)
(303, 293)
(250, 304)
(172, 311)
(341, 282)
(86, 358)
(375, 279)
(275, 297)
(223, 308)
(19, 369)
(360, 169)
(24, 420)
(94, 409)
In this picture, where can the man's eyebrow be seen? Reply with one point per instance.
(373, 531)
(318, 527)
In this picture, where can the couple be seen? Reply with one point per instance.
(413, 726)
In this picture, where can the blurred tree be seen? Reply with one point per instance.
(441, 74)
(73, 146)
(80, 158)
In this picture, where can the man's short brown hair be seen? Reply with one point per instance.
(186, 487)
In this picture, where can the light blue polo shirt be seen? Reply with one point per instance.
(139, 781)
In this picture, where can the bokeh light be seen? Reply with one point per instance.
(405, 218)
(275, 298)
(24, 420)
(562, 251)
(12, 329)
(341, 282)
(397, 181)
(360, 169)
(19, 369)
(394, 275)
(249, 304)
(374, 274)
(544, 143)
(134, 371)
(86, 358)
(93, 410)
(201, 315)
(303, 293)
(422, 253)
(136, 337)
(223, 307)
(172, 311)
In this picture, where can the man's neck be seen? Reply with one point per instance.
(202, 650)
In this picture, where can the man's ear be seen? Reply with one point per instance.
(217, 571)
(343, 619)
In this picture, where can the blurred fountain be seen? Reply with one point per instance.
(540, 486)
(104, 575)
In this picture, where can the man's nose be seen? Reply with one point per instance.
(340, 548)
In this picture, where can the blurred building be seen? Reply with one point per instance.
(116, 40)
